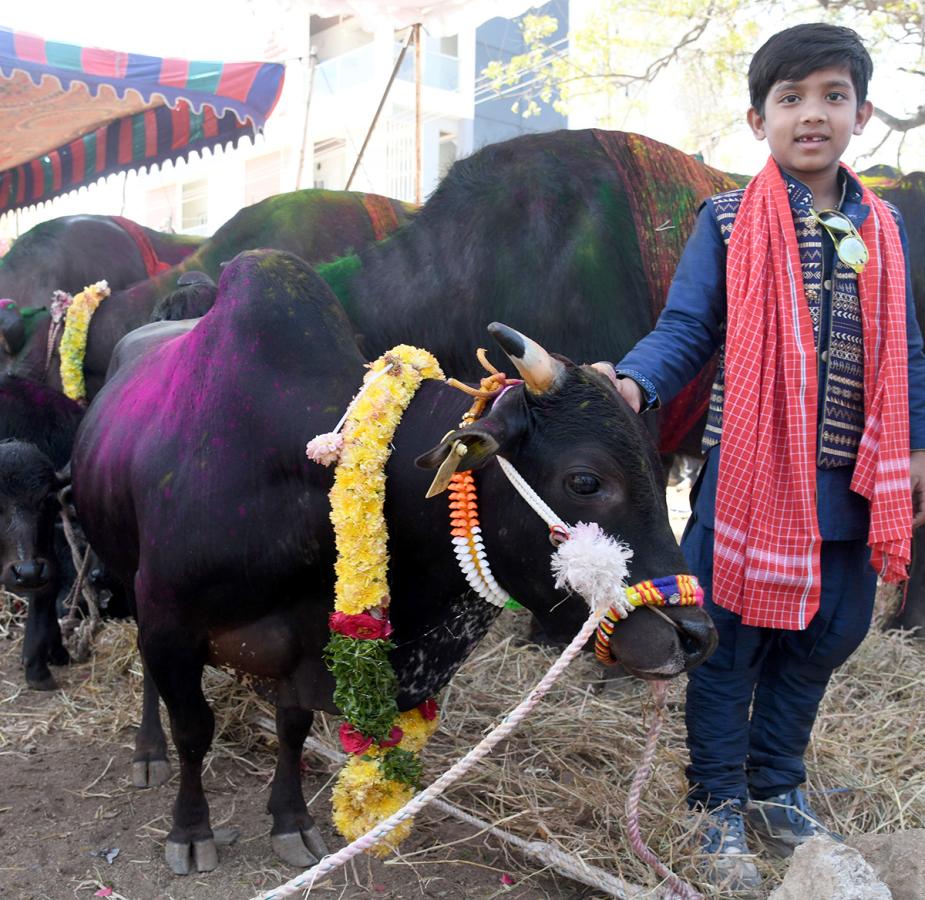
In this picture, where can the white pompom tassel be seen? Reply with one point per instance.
(326, 448)
(594, 564)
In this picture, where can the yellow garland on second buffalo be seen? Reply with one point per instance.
(74, 339)
(363, 796)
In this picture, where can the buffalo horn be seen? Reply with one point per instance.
(540, 371)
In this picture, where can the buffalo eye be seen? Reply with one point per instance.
(582, 483)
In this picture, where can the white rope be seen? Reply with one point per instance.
(530, 495)
(307, 880)
(552, 857)
(587, 559)
(363, 389)
(575, 573)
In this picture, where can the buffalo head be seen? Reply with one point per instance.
(28, 507)
(588, 456)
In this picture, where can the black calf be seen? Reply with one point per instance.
(28, 507)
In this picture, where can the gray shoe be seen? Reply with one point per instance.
(785, 821)
(724, 859)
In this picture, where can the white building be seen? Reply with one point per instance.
(338, 72)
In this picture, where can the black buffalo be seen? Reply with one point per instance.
(571, 237)
(907, 193)
(316, 225)
(37, 429)
(67, 254)
(191, 481)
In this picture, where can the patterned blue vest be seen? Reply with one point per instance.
(840, 363)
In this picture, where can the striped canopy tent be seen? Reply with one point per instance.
(71, 115)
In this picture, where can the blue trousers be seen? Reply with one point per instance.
(751, 706)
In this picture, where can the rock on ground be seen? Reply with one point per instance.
(898, 859)
(827, 870)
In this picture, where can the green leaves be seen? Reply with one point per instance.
(402, 765)
(366, 683)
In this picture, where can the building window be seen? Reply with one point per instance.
(262, 177)
(194, 206)
(159, 209)
(440, 63)
(329, 169)
(399, 158)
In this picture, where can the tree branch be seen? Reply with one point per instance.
(870, 153)
(897, 124)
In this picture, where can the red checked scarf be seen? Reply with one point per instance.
(767, 548)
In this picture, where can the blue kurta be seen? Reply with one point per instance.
(691, 329)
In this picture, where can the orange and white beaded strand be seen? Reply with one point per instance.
(467, 540)
(464, 505)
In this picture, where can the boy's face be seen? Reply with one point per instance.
(809, 123)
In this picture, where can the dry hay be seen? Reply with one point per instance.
(563, 779)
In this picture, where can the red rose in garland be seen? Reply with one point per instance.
(353, 741)
(428, 709)
(363, 626)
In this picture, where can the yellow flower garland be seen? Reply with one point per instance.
(363, 795)
(74, 339)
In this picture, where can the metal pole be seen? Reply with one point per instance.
(385, 94)
(418, 71)
(312, 62)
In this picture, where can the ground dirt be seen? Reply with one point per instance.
(66, 801)
(74, 827)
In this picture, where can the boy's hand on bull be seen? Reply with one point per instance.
(626, 387)
(917, 477)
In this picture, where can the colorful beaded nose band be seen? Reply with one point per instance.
(675, 590)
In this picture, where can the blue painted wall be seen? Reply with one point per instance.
(500, 39)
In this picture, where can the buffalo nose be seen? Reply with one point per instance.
(698, 639)
(30, 573)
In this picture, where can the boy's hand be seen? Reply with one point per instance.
(627, 388)
(606, 368)
(631, 392)
(917, 477)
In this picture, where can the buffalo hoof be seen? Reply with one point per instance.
(47, 683)
(300, 848)
(149, 773)
(201, 854)
(225, 837)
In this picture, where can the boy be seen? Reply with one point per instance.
(801, 281)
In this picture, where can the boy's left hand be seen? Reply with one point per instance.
(917, 477)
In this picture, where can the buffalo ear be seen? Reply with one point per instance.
(480, 443)
(494, 433)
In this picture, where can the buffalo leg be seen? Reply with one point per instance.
(150, 767)
(57, 652)
(295, 836)
(39, 640)
(176, 663)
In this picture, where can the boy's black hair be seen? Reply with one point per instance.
(794, 53)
